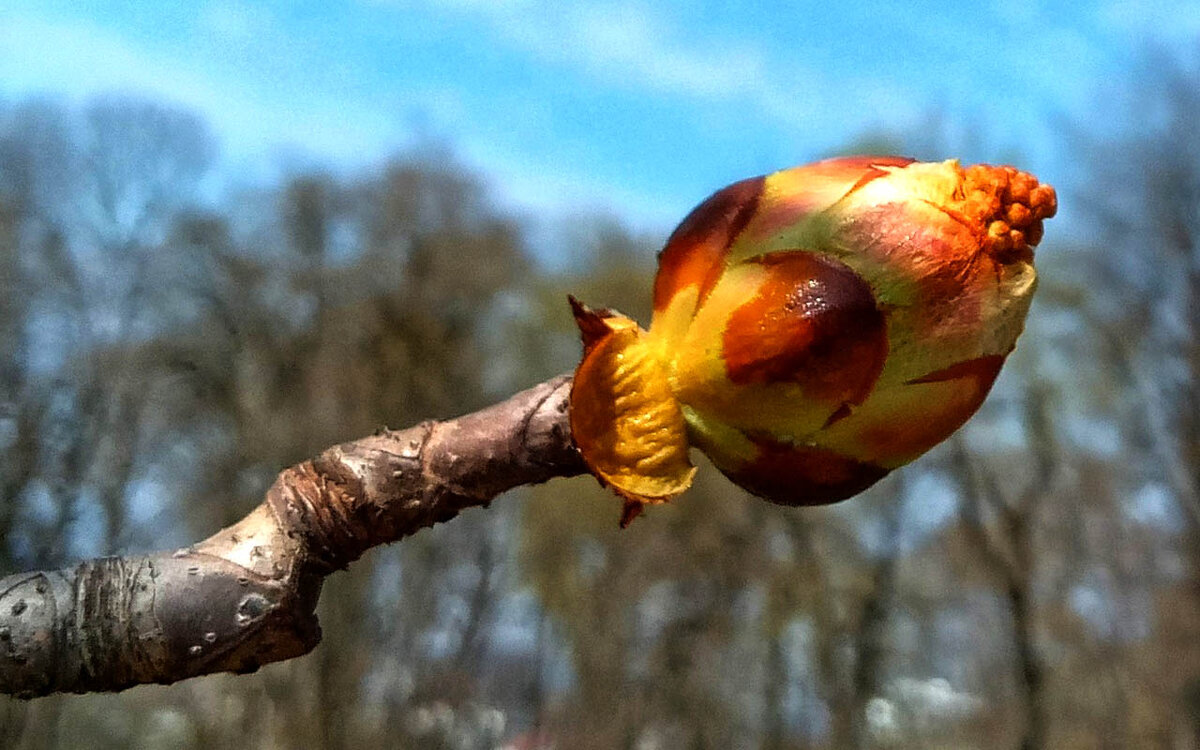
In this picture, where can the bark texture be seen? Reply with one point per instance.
(246, 596)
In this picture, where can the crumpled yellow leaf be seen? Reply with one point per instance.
(625, 420)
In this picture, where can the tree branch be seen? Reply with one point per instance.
(246, 596)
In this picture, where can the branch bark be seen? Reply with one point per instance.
(246, 596)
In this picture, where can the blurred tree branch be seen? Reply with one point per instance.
(246, 596)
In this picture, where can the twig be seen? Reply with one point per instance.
(246, 596)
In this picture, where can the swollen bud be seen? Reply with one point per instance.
(813, 329)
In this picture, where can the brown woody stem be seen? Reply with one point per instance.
(246, 596)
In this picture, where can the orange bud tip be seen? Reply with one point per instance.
(1010, 204)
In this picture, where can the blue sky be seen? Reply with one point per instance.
(626, 106)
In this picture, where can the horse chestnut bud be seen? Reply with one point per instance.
(813, 329)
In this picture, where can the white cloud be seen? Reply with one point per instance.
(251, 118)
(626, 44)
(264, 131)
(34, 60)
